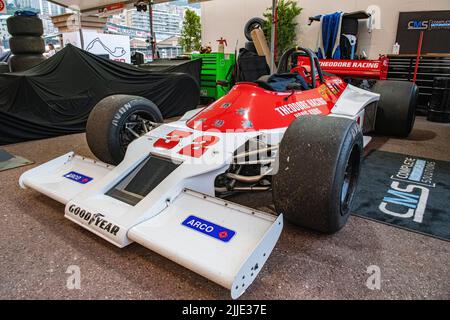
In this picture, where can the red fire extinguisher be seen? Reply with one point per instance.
(222, 43)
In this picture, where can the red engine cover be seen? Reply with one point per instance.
(248, 107)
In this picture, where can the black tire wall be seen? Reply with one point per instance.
(251, 24)
(23, 62)
(25, 26)
(313, 158)
(26, 42)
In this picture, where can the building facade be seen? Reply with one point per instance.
(166, 24)
(44, 8)
(4, 34)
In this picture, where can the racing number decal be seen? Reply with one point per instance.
(198, 147)
(172, 139)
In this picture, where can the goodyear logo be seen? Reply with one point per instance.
(209, 228)
(78, 177)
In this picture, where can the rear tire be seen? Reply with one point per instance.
(319, 165)
(23, 62)
(27, 44)
(396, 110)
(106, 131)
(25, 26)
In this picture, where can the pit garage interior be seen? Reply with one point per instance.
(407, 244)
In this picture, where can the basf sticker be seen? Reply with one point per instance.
(209, 228)
(78, 177)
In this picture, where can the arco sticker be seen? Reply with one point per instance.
(209, 228)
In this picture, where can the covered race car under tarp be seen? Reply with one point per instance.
(191, 67)
(56, 97)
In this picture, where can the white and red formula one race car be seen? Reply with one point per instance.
(162, 184)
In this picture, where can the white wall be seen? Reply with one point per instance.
(226, 18)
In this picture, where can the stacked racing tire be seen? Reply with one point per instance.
(253, 23)
(26, 43)
(4, 67)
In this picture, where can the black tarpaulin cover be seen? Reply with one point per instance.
(56, 96)
(191, 67)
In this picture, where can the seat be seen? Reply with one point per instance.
(278, 82)
(263, 82)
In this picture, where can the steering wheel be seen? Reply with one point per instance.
(315, 69)
(304, 71)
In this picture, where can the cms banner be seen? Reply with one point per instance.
(435, 26)
(407, 195)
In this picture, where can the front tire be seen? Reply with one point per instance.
(115, 122)
(319, 165)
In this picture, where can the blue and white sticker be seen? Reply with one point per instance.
(209, 228)
(78, 177)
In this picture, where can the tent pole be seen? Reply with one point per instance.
(272, 36)
(152, 33)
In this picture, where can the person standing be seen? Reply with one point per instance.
(51, 50)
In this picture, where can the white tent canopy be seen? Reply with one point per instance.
(91, 5)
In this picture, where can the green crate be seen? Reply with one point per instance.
(215, 66)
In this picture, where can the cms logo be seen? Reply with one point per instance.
(409, 202)
(418, 25)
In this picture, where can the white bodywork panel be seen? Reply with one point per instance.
(352, 104)
(366, 140)
(353, 100)
(156, 220)
(48, 177)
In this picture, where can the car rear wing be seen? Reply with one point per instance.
(366, 69)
